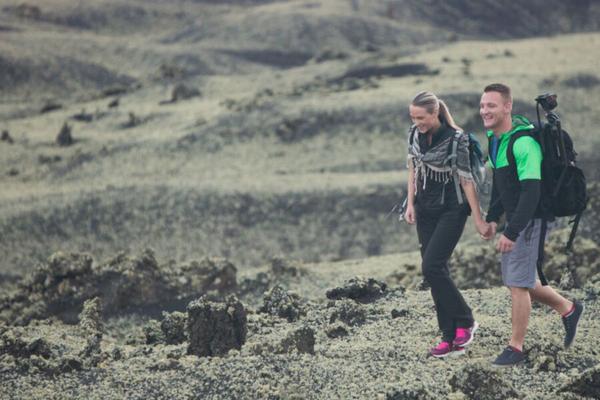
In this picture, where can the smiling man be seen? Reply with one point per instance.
(516, 157)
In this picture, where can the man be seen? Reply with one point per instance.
(516, 193)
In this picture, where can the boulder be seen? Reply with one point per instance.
(214, 328)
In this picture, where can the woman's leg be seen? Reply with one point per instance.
(440, 246)
(426, 226)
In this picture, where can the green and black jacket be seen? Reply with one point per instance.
(516, 186)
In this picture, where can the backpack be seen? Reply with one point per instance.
(563, 186)
(476, 159)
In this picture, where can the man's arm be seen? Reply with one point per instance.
(528, 157)
(529, 198)
(495, 209)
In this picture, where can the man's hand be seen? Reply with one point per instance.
(504, 244)
(410, 215)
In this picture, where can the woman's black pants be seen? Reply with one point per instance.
(439, 232)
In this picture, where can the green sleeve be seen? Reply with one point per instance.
(528, 157)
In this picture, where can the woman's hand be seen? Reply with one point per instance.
(410, 215)
(483, 228)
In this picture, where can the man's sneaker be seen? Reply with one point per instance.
(509, 357)
(464, 336)
(445, 349)
(570, 322)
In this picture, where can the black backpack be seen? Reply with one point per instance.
(564, 192)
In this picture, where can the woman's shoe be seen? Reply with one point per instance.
(464, 336)
(445, 349)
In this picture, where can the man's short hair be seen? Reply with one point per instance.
(500, 88)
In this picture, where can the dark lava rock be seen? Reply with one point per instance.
(173, 327)
(90, 318)
(399, 313)
(409, 394)
(302, 340)
(83, 116)
(114, 103)
(6, 137)
(213, 274)
(50, 106)
(65, 137)
(475, 267)
(284, 267)
(337, 330)
(256, 286)
(349, 312)
(359, 289)
(479, 382)
(13, 344)
(214, 328)
(283, 304)
(123, 284)
(183, 92)
(153, 332)
(572, 269)
(587, 384)
(90, 322)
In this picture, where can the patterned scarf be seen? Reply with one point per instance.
(435, 163)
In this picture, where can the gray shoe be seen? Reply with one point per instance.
(571, 322)
(509, 357)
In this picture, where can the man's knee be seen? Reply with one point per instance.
(518, 292)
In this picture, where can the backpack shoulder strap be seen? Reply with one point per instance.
(453, 150)
(411, 134)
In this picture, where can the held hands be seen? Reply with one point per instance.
(410, 215)
(486, 231)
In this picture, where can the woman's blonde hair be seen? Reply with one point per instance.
(432, 104)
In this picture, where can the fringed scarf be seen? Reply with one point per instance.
(435, 163)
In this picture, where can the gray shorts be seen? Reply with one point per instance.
(519, 266)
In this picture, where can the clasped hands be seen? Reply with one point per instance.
(488, 230)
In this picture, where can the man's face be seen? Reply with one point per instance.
(424, 120)
(494, 110)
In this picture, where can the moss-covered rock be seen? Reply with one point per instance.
(214, 328)
(283, 304)
(587, 384)
(478, 381)
(363, 290)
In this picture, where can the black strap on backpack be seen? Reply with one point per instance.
(452, 156)
(540, 259)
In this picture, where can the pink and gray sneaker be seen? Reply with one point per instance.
(464, 336)
(445, 349)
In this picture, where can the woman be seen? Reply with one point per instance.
(434, 204)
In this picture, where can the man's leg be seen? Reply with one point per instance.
(521, 309)
(548, 296)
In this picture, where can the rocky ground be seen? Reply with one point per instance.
(127, 328)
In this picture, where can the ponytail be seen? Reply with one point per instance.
(445, 116)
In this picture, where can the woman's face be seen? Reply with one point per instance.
(424, 120)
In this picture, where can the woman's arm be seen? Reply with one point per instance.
(409, 215)
(473, 199)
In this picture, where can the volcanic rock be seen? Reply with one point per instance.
(283, 304)
(479, 382)
(587, 384)
(360, 289)
(214, 328)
